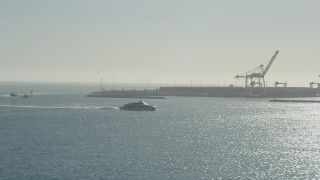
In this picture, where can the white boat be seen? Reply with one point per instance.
(138, 106)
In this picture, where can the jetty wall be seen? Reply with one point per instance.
(268, 92)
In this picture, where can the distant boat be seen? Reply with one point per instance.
(138, 106)
(25, 96)
(12, 94)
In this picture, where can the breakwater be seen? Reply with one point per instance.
(268, 92)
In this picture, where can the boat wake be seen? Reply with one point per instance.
(109, 107)
(62, 107)
(5, 96)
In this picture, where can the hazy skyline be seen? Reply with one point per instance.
(132, 41)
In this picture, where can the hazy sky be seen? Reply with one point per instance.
(139, 40)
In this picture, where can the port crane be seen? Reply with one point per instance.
(276, 84)
(256, 76)
(313, 83)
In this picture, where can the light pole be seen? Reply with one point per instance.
(112, 84)
(101, 86)
(141, 84)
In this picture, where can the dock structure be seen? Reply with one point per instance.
(270, 92)
(276, 84)
(254, 88)
(256, 77)
(313, 84)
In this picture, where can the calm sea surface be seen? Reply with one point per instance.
(57, 133)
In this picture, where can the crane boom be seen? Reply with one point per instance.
(270, 63)
(256, 76)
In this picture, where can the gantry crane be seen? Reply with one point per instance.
(276, 84)
(256, 76)
(313, 83)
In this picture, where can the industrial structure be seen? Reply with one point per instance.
(276, 84)
(257, 76)
(255, 87)
(313, 84)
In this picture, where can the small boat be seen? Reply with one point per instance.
(138, 106)
(12, 94)
(25, 96)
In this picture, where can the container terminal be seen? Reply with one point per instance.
(254, 88)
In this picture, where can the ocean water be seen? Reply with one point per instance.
(57, 133)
